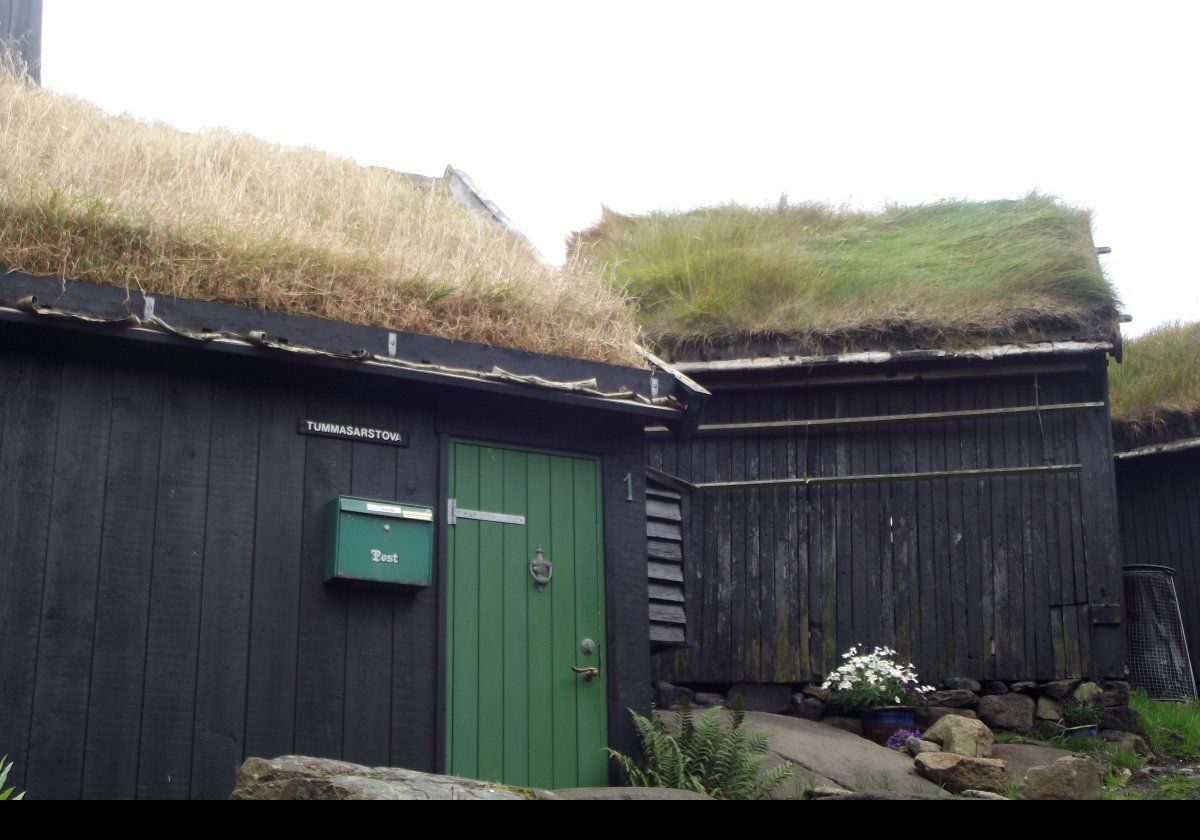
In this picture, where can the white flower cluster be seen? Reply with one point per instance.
(876, 669)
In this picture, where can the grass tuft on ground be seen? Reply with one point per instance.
(935, 275)
(222, 216)
(1173, 729)
(1156, 388)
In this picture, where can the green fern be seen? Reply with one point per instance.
(704, 753)
(7, 793)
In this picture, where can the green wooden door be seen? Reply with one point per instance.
(516, 711)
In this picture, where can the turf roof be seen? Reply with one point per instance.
(953, 273)
(215, 215)
(1156, 388)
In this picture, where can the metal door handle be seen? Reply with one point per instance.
(590, 673)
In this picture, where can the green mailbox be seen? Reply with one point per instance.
(385, 542)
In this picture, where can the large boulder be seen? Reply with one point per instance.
(846, 724)
(927, 716)
(1048, 709)
(763, 697)
(1007, 711)
(962, 736)
(1069, 777)
(1059, 689)
(809, 708)
(916, 746)
(668, 695)
(628, 794)
(1019, 759)
(957, 773)
(304, 777)
(1088, 692)
(1116, 693)
(962, 683)
(825, 756)
(955, 698)
(1130, 741)
(1123, 718)
(982, 794)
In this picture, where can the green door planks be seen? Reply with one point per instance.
(516, 711)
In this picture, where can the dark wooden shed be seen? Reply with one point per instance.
(162, 593)
(1158, 487)
(958, 506)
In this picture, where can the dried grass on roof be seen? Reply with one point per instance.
(222, 216)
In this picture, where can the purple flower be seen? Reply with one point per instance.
(899, 738)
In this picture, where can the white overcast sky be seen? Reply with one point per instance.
(556, 108)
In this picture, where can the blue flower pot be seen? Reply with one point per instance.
(879, 724)
(1082, 732)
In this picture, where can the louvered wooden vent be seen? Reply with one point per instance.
(666, 507)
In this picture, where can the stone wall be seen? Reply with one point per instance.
(1024, 707)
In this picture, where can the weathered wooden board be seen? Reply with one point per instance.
(986, 575)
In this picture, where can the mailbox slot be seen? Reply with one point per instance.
(379, 541)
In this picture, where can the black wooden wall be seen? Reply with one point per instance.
(988, 577)
(162, 607)
(1159, 500)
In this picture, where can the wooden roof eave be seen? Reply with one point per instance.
(878, 357)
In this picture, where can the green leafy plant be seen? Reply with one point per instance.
(1173, 729)
(7, 793)
(705, 753)
(1076, 713)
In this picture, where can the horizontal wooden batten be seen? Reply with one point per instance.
(779, 427)
(994, 472)
(972, 372)
(1160, 448)
(879, 357)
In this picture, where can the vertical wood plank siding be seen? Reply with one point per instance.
(1159, 503)
(162, 598)
(989, 577)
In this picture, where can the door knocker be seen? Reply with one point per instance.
(540, 569)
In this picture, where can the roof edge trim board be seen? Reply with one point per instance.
(698, 395)
(209, 316)
(998, 351)
(133, 329)
(1160, 448)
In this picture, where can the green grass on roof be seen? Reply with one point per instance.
(1156, 388)
(931, 275)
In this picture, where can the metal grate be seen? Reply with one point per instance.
(1158, 652)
